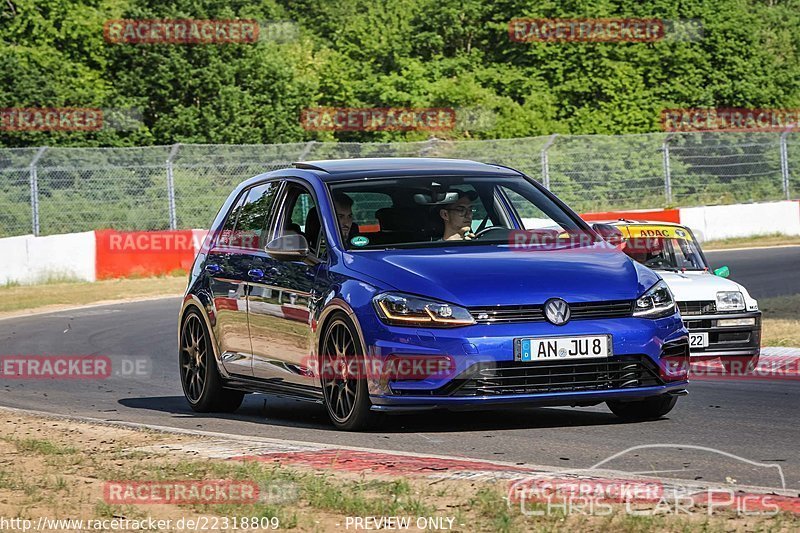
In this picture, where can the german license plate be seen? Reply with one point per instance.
(557, 348)
(698, 340)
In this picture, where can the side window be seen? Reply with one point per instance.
(365, 205)
(302, 206)
(532, 217)
(252, 223)
(300, 217)
(226, 234)
(251, 218)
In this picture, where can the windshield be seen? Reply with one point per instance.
(416, 212)
(663, 248)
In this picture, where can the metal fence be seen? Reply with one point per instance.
(60, 190)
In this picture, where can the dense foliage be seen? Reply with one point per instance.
(414, 53)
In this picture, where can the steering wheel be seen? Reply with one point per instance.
(490, 229)
(655, 262)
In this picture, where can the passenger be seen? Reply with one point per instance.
(457, 218)
(344, 215)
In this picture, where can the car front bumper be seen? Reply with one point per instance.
(485, 373)
(585, 398)
(726, 341)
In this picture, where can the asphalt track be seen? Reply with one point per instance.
(755, 420)
(765, 272)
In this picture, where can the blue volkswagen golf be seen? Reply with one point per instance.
(393, 285)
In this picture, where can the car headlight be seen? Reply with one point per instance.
(657, 302)
(406, 310)
(730, 301)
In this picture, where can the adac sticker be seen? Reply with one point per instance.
(359, 240)
(663, 232)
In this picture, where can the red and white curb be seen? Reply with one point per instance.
(780, 351)
(775, 362)
(438, 467)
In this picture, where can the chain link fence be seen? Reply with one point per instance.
(46, 191)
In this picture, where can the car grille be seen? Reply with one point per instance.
(697, 308)
(697, 324)
(535, 313)
(514, 377)
(675, 349)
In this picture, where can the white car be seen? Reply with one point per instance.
(722, 318)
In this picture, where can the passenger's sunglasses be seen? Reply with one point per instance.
(462, 210)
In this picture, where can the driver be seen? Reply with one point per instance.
(457, 217)
(344, 215)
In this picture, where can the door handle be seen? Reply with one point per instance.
(256, 273)
(213, 268)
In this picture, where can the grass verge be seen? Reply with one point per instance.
(19, 297)
(58, 469)
(775, 239)
(780, 321)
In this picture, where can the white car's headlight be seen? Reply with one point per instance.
(406, 310)
(657, 302)
(730, 301)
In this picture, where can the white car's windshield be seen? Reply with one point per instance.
(413, 212)
(663, 248)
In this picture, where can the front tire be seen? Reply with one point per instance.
(344, 376)
(647, 409)
(200, 379)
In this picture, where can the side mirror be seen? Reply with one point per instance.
(288, 248)
(611, 234)
(722, 272)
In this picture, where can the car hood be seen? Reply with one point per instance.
(496, 275)
(693, 286)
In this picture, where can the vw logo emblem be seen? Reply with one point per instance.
(556, 311)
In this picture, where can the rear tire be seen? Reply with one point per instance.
(346, 396)
(647, 409)
(200, 379)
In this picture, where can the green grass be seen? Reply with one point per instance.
(283, 491)
(50, 278)
(15, 297)
(774, 239)
(780, 324)
(39, 446)
(491, 505)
